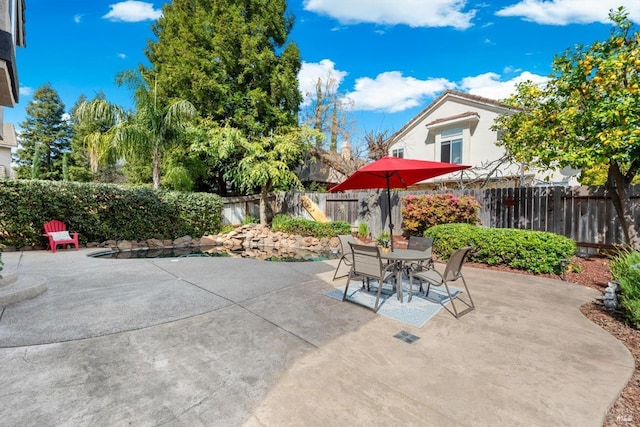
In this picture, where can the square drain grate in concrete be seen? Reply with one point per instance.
(406, 337)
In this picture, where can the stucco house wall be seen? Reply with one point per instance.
(11, 36)
(457, 117)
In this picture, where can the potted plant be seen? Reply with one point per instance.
(384, 241)
(363, 230)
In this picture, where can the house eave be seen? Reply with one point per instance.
(474, 118)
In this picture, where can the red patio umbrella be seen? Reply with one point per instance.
(394, 172)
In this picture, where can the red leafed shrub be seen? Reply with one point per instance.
(422, 212)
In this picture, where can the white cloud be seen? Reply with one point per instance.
(563, 12)
(392, 92)
(510, 69)
(132, 11)
(415, 13)
(122, 56)
(490, 86)
(310, 72)
(26, 91)
(77, 19)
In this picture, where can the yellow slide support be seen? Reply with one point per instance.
(313, 209)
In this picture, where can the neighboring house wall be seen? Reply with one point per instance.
(6, 144)
(456, 127)
(11, 36)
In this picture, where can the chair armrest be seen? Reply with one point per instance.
(426, 264)
(429, 275)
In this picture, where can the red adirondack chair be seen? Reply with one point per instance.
(57, 233)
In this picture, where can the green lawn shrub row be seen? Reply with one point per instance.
(422, 212)
(534, 251)
(102, 212)
(625, 268)
(305, 227)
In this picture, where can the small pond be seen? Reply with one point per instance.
(263, 253)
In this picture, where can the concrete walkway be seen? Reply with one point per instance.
(230, 342)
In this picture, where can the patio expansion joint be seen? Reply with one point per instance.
(245, 308)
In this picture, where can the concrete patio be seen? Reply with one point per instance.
(230, 342)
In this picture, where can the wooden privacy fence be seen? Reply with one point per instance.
(584, 214)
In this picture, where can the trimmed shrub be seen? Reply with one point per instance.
(102, 212)
(625, 268)
(306, 227)
(534, 251)
(422, 212)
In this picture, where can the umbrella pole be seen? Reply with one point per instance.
(389, 205)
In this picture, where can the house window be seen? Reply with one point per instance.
(451, 145)
(398, 152)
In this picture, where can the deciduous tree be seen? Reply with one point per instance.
(586, 116)
(267, 163)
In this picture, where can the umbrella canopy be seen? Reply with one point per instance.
(394, 172)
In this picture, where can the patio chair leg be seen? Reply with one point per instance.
(375, 307)
(470, 307)
(346, 288)
(337, 268)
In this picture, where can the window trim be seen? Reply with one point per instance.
(396, 151)
(450, 137)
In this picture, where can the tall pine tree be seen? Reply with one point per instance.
(232, 60)
(44, 131)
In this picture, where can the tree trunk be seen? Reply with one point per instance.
(156, 169)
(223, 191)
(266, 212)
(618, 187)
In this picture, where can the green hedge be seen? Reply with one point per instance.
(534, 251)
(625, 268)
(102, 212)
(305, 227)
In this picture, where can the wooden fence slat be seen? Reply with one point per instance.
(584, 214)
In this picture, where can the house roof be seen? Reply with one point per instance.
(450, 93)
(8, 137)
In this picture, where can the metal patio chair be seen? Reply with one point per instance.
(345, 250)
(424, 244)
(367, 264)
(452, 272)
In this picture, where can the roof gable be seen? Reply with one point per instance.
(448, 96)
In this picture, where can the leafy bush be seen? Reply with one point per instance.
(363, 229)
(306, 227)
(422, 212)
(625, 268)
(250, 220)
(226, 229)
(102, 212)
(534, 251)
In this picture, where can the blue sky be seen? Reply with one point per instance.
(391, 58)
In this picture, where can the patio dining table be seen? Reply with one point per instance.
(402, 258)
